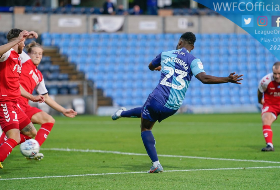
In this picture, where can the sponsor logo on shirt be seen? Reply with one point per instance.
(18, 68)
(34, 76)
(200, 65)
(275, 94)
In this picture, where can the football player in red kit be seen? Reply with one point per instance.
(12, 118)
(269, 97)
(32, 79)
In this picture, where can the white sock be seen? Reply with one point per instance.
(270, 144)
(119, 113)
(155, 163)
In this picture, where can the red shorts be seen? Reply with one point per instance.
(28, 110)
(275, 109)
(12, 117)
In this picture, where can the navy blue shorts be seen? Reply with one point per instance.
(155, 111)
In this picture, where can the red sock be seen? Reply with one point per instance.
(43, 132)
(2, 138)
(267, 133)
(7, 148)
(23, 138)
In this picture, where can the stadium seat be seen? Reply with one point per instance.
(63, 77)
(196, 101)
(206, 101)
(52, 90)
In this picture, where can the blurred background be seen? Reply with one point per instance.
(96, 52)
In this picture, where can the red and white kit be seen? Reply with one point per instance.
(271, 90)
(11, 116)
(31, 78)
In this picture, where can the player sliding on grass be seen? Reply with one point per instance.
(12, 118)
(177, 68)
(269, 87)
(31, 78)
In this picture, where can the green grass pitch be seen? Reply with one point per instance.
(216, 151)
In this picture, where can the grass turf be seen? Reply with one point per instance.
(228, 136)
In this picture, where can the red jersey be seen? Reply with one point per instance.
(271, 90)
(10, 69)
(31, 78)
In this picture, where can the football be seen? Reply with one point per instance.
(29, 148)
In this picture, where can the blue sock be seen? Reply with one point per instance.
(136, 112)
(149, 143)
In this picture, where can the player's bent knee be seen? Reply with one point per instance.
(33, 133)
(29, 130)
(50, 119)
(268, 117)
(14, 135)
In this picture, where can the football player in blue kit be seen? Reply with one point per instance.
(177, 68)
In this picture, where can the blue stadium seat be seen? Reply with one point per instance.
(233, 67)
(52, 76)
(73, 43)
(196, 101)
(216, 100)
(261, 66)
(47, 42)
(224, 37)
(223, 66)
(52, 89)
(94, 36)
(224, 92)
(54, 68)
(65, 36)
(242, 67)
(225, 100)
(56, 36)
(206, 100)
(63, 77)
(215, 92)
(45, 36)
(137, 102)
(252, 67)
(64, 43)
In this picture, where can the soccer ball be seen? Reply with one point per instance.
(29, 148)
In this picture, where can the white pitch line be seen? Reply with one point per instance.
(161, 155)
(140, 172)
(125, 122)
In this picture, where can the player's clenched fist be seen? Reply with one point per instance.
(23, 35)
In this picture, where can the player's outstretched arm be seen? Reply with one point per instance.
(25, 94)
(209, 79)
(53, 104)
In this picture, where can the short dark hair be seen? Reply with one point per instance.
(189, 37)
(276, 65)
(13, 33)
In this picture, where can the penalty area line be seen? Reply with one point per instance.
(140, 172)
(161, 155)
